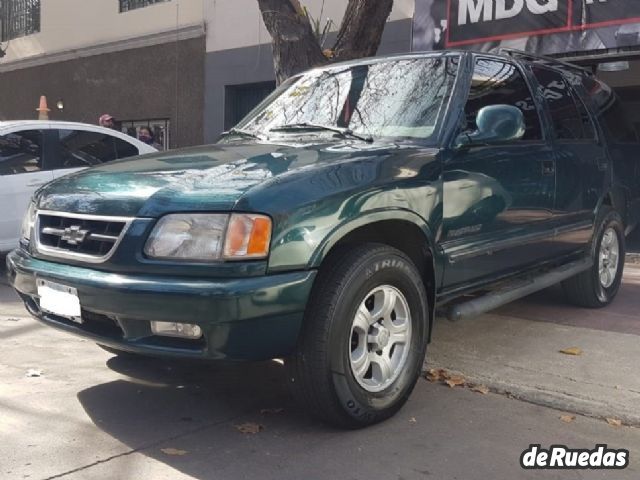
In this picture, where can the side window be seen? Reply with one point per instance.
(125, 149)
(569, 116)
(610, 110)
(21, 152)
(496, 82)
(80, 148)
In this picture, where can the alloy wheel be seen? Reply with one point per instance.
(380, 338)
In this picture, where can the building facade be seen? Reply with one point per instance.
(188, 68)
(193, 68)
(141, 61)
(239, 64)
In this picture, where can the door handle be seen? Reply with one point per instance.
(548, 167)
(602, 163)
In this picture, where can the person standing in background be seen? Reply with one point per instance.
(145, 134)
(107, 121)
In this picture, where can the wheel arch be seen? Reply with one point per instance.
(402, 230)
(616, 198)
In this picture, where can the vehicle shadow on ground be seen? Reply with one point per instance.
(196, 408)
(551, 305)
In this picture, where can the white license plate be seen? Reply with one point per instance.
(59, 300)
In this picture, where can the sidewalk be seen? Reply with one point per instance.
(509, 353)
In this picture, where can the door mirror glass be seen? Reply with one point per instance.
(495, 124)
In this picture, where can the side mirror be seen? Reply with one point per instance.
(496, 124)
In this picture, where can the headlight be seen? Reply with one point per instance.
(28, 222)
(206, 237)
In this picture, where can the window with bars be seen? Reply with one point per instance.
(158, 127)
(126, 5)
(19, 18)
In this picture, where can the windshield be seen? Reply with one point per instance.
(399, 99)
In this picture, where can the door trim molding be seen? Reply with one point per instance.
(456, 253)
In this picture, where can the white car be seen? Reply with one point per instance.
(35, 152)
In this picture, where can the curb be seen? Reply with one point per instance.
(558, 400)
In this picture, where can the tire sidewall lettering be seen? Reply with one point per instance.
(397, 271)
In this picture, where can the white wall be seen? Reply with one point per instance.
(72, 24)
(237, 23)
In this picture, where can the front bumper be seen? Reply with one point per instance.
(253, 318)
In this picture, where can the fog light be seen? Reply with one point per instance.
(172, 329)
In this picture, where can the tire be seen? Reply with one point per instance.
(332, 345)
(590, 289)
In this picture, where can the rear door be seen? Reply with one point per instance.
(22, 172)
(581, 160)
(75, 149)
(498, 198)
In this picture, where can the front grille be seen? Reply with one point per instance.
(86, 237)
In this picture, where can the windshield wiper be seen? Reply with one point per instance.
(242, 133)
(343, 132)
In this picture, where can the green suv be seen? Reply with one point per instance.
(339, 216)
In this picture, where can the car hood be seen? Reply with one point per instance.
(210, 178)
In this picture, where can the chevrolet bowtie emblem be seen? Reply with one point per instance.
(74, 235)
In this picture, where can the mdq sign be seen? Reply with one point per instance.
(475, 11)
(544, 25)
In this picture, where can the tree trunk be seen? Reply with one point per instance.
(361, 29)
(295, 47)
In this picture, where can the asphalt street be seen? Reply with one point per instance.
(71, 410)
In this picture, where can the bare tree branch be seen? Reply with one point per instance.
(295, 47)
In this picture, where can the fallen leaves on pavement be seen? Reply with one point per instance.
(455, 381)
(435, 374)
(483, 389)
(572, 351)
(567, 418)
(173, 451)
(249, 428)
(441, 375)
(614, 422)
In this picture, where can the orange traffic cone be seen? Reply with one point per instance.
(43, 110)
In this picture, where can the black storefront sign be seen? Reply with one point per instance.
(473, 22)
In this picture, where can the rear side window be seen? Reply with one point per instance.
(495, 83)
(21, 152)
(80, 148)
(569, 116)
(610, 110)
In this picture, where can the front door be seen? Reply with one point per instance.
(498, 199)
(21, 174)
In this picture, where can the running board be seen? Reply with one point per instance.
(515, 290)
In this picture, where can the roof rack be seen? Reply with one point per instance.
(548, 61)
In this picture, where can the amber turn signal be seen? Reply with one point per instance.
(248, 236)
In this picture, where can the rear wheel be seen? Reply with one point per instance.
(598, 286)
(364, 338)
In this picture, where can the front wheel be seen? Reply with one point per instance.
(364, 338)
(598, 286)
